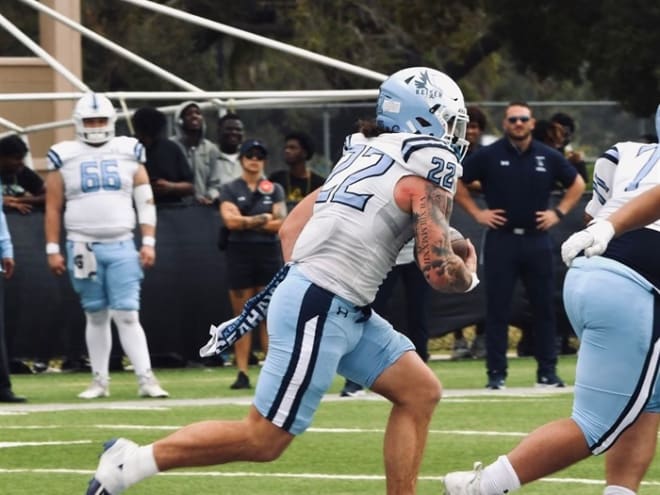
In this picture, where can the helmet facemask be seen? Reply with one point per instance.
(94, 106)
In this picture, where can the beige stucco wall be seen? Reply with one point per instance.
(32, 75)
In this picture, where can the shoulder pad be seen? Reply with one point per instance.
(431, 159)
(417, 143)
(125, 145)
(59, 153)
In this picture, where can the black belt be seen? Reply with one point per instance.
(521, 231)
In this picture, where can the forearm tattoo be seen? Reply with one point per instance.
(441, 267)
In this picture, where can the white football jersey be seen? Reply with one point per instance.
(98, 187)
(356, 232)
(624, 171)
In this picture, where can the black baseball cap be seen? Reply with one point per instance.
(252, 143)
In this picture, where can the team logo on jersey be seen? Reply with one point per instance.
(540, 164)
(425, 87)
(265, 187)
(504, 163)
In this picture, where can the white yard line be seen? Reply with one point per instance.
(466, 395)
(9, 445)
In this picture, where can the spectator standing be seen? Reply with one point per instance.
(517, 175)
(22, 188)
(7, 269)
(230, 137)
(202, 154)
(475, 130)
(95, 180)
(550, 133)
(612, 301)
(252, 209)
(575, 158)
(342, 244)
(169, 173)
(297, 179)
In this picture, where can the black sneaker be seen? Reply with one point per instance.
(352, 389)
(242, 382)
(496, 383)
(9, 397)
(550, 380)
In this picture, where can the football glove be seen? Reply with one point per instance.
(593, 241)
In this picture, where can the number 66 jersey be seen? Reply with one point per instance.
(357, 229)
(98, 187)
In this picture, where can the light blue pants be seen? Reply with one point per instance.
(117, 281)
(616, 314)
(313, 335)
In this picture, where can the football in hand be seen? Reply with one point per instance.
(459, 244)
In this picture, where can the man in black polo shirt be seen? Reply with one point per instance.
(517, 175)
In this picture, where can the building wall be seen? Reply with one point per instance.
(33, 75)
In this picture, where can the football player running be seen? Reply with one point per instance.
(395, 180)
(95, 180)
(612, 300)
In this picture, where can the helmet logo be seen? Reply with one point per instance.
(425, 87)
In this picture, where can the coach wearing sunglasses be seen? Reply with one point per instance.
(517, 175)
(252, 209)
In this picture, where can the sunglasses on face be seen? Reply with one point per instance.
(255, 155)
(521, 118)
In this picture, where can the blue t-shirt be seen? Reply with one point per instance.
(520, 183)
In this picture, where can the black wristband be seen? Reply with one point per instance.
(558, 212)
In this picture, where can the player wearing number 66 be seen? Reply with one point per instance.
(98, 177)
(395, 180)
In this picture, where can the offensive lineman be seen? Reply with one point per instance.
(394, 181)
(613, 303)
(98, 177)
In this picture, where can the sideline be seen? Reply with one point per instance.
(458, 395)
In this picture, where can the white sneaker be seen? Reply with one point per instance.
(108, 479)
(149, 386)
(463, 482)
(100, 387)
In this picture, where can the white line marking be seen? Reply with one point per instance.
(511, 394)
(9, 445)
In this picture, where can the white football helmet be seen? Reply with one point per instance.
(92, 106)
(421, 100)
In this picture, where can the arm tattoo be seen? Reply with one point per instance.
(279, 211)
(441, 267)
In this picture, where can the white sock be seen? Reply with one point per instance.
(140, 465)
(133, 340)
(499, 477)
(617, 490)
(98, 337)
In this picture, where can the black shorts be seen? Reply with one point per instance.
(252, 264)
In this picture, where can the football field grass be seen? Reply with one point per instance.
(51, 445)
